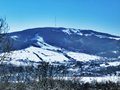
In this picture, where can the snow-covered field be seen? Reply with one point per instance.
(82, 56)
(93, 79)
(101, 79)
(115, 63)
(42, 54)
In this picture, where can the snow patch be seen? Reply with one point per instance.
(102, 36)
(14, 37)
(67, 31)
(115, 52)
(72, 31)
(43, 44)
(115, 63)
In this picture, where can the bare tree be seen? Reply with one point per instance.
(5, 43)
(3, 26)
(5, 47)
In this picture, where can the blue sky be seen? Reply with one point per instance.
(99, 15)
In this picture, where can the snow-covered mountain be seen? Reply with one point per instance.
(85, 41)
(84, 52)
